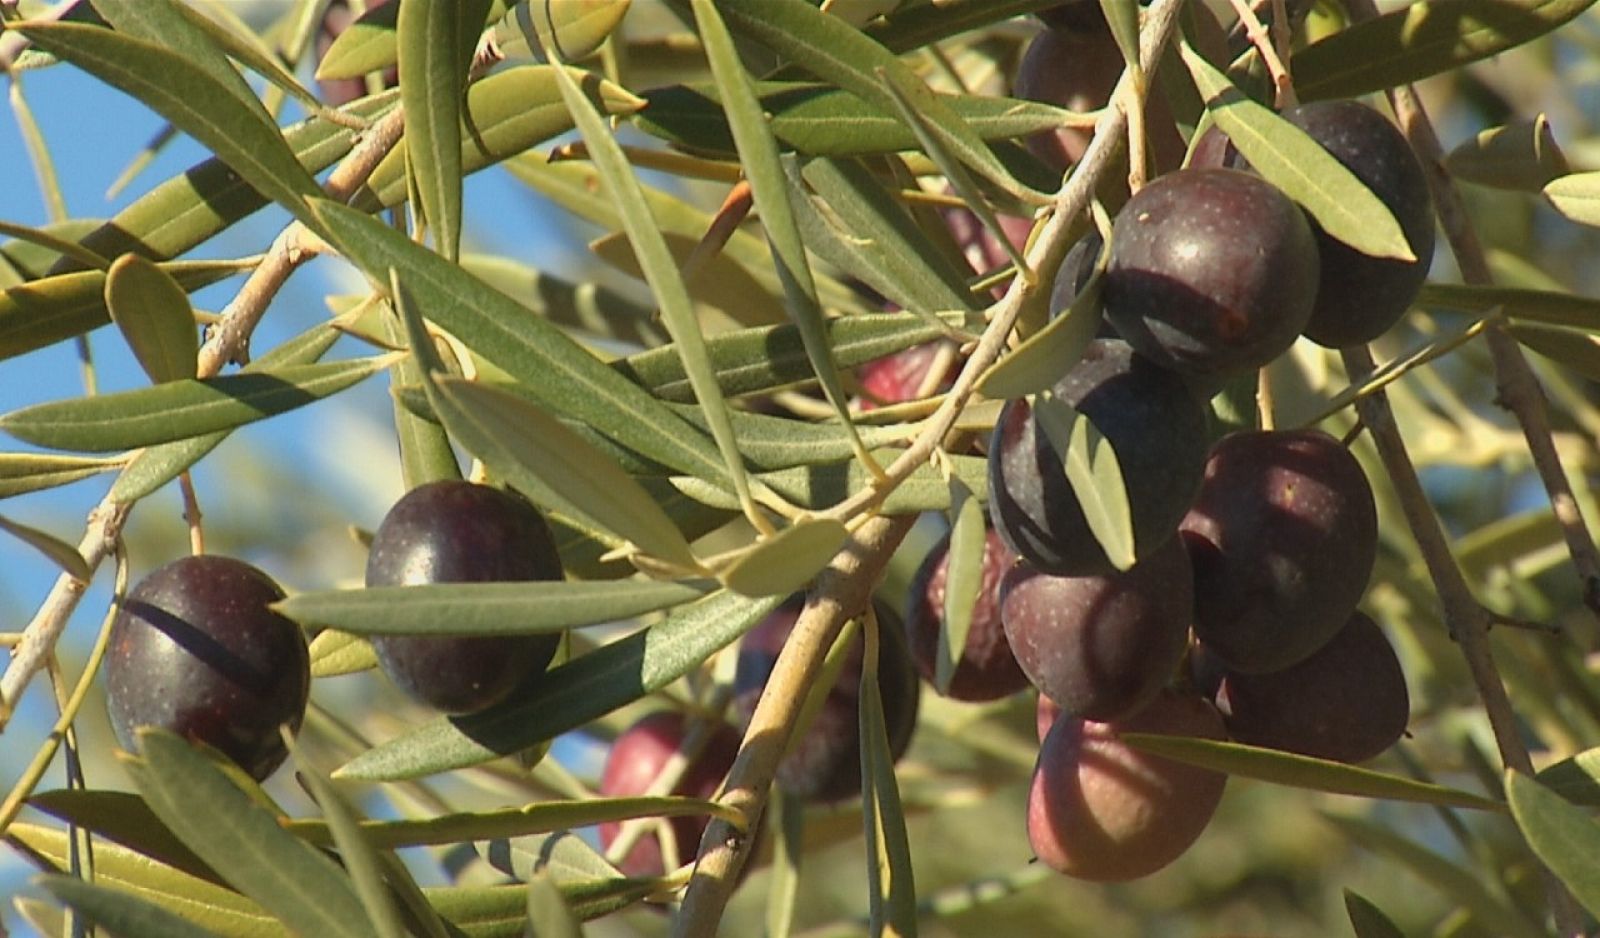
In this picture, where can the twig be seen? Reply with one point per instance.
(226, 342)
(842, 589)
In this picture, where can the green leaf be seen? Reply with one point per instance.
(830, 48)
(785, 819)
(153, 312)
(334, 653)
(484, 608)
(758, 154)
(30, 472)
(1468, 889)
(568, 379)
(61, 553)
(661, 272)
(1288, 158)
(820, 120)
(46, 918)
(358, 856)
(963, 580)
(1578, 350)
(864, 230)
(233, 36)
(1426, 38)
(242, 841)
(158, 465)
(891, 891)
(1576, 778)
(719, 281)
(527, 441)
(426, 453)
(1576, 197)
(206, 904)
(786, 561)
(1564, 836)
(1296, 771)
(436, 40)
(1047, 355)
(1548, 307)
(188, 96)
(571, 695)
(574, 28)
(42, 312)
(47, 247)
(366, 45)
(1367, 919)
(1095, 474)
(181, 409)
(539, 818)
(124, 817)
(114, 910)
(548, 914)
(818, 488)
(1521, 156)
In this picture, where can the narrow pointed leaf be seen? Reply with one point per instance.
(1289, 159)
(677, 310)
(366, 45)
(233, 36)
(758, 153)
(42, 312)
(819, 120)
(818, 488)
(211, 906)
(1521, 156)
(1576, 778)
(571, 695)
(1095, 475)
(1548, 307)
(1040, 361)
(357, 855)
(785, 819)
(180, 409)
(426, 454)
(1564, 836)
(30, 472)
(61, 553)
(1426, 38)
(890, 888)
(242, 841)
(484, 608)
(158, 465)
(575, 29)
(334, 652)
(1367, 919)
(47, 244)
(832, 49)
(190, 98)
(569, 380)
(119, 912)
(47, 918)
(780, 564)
(153, 312)
(1578, 350)
(1283, 768)
(1576, 196)
(963, 580)
(548, 912)
(721, 281)
(436, 41)
(125, 818)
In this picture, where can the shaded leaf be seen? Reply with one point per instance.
(35, 249)
(721, 281)
(963, 580)
(242, 841)
(484, 608)
(1095, 474)
(818, 488)
(571, 695)
(120, 912)
(1047, 355)
(1564, 836)
(1288, 158)
(785, 819)
(1576, 778)
(1367, 919)
(42, 312)
(1521, 156)
(1296, 771)
(124, 818)
(569, 380)
(61, 553)
(548, 913)
(1425, 38)
(786, 561)
(1548, 307)
(891, 892)
(366, 45)
(819, 120)
(188, 96)
(500, 911)
(436, 39)
(181, 409)
(153, 312)
(1576, 349)
(30, 472)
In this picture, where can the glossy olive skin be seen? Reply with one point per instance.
(1361, 296)
(196, 650)
(1100, 810)
(1347, 702)
(460, 532)
(1153, 422)
(1283, 537)
(825, 765)
(986, 669)
(1101, 646)
(1212, 272)
(637, 757)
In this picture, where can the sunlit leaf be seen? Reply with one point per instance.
(574, 28)
(334, 652)
(1047, 355)
(963, 580)
(125, 818)
(120, 912)
(359, 857)
(786, 561)
(153, 312)
(29, 472)
(892, 895)
(180, 409)
(1576, 196)
(571, 695)
(1095, 473)
(61, 553)
(821, 487)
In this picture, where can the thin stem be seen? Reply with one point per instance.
(191, 514)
